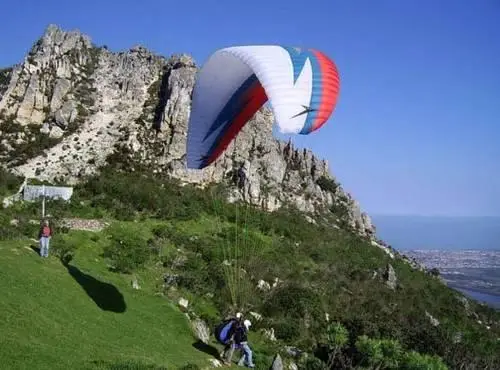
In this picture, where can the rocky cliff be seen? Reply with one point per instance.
(70, 105)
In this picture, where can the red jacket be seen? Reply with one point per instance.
(45, 231)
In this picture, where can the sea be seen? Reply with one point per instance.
(466, 250)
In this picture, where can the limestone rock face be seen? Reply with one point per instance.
(73, 104)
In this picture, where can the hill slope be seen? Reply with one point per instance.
(294, 278)
(82, 316)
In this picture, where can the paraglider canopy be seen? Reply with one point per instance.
(302, 87)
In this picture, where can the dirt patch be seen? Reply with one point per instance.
(82, 224)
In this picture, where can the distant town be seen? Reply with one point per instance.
(475, 272)
(453, 259)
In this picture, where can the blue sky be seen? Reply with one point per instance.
(417, 125)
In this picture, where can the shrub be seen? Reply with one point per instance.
(17, 225)
(128, 247)
(327, 184)
(196, 275)
(161, 232)
(8, 231)
(287, 330)
(9, 183)
(337, 339)
(416, 361)
(311, 363)
(5, 74)
(64, 247)
(206, 311)
(379, 353)
(294, 301)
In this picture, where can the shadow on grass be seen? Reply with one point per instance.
(35, 249)
(207, 348)
(106, 296)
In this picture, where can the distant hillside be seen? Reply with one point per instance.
(421, 232)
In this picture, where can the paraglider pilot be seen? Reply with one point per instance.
(227, 354)
(241, 341)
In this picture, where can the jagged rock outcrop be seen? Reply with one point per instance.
(390, 277)
(277, 363)
(83, 224)
(201, 330)
(71, 104)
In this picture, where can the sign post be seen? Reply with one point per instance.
(43, 202)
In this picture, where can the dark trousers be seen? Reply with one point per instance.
(228, 352)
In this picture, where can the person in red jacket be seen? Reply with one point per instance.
(44, 236)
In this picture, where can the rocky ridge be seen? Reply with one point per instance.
(70, 106)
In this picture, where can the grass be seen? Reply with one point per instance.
(83, 316)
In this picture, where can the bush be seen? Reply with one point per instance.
(337, 336)
(64, 247)
(206, 311)
(389, 354)
(9, 183)
(311, 363)
(294, 301)
(126, 194)
(161, 232)
(327, 184)
(286, 330)
(5, 74)
(416, 361)
(196, 275)
(18, 226)
(7, 231)
(128, 247)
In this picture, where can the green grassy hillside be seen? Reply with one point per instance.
(322, 289)
(83, 316)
